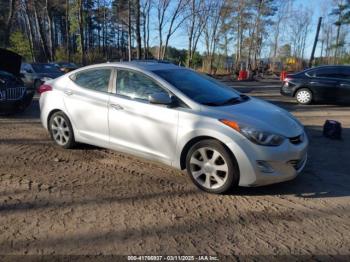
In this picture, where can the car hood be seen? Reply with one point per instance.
(14, 66)
(261, 115)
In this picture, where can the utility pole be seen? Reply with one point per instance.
(315, 42)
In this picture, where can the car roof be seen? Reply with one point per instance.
(148, 65)
(329, 66)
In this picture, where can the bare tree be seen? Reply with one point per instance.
(280, 19)
(9, 20)
(169, 15)
(197, 18)
(146, 7)
(81, 31)
(211, 31)
(67, 31)
(138, 29)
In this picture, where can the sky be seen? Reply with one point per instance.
(317, 7)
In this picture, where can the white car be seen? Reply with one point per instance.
(176, 116)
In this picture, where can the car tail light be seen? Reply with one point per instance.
(44, 88)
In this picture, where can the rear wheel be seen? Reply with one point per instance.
(61, 130)
(304, 96)
(211, 167)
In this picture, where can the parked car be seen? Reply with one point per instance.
(65, 67)
(178, 117)
(14, 96)
(324, 83)
(35, 74)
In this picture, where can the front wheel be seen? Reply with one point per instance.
(211, 167)
(304, 96)
(61, 130)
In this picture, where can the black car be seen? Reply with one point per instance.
(14, 96)
(324, 83)
(35, 74)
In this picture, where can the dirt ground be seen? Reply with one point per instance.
(95, 201)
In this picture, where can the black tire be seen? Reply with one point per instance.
(66, 130)
(229, 179)
(304, 96)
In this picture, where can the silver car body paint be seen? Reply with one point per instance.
(159, 133)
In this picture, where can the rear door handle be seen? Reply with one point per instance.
(68, 92)
(117, 107)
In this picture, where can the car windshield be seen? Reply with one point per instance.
(45, 68)
(200, 88)
(6, 75)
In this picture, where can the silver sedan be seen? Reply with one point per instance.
(178, 117)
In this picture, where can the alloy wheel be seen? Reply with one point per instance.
(60, 130)
(209, 168)
(304, 96)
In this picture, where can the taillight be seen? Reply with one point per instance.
(43, 88)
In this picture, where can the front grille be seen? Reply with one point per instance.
(297, 139)
(13, 93)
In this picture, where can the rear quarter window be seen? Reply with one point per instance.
(93, 79)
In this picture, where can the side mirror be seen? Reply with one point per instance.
(160, 98)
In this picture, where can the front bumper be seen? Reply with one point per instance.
(284, 162)
(12, 106)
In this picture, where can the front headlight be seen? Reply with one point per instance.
(45, 78)
(256, 136)
(262, 137)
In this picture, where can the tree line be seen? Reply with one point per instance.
(227, 32)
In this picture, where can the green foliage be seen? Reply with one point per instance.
(197, 60)
(20, 44)
(61, 54)
(176, 56)
(94, 56)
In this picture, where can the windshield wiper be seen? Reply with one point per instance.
(232, 101)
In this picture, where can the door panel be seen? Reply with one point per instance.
(87, 107)
(143, 129)
(344, 91)
(324, 88)
(137, 126)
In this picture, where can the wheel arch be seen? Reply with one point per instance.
(195, 140)
(303, 87)
(51, 113)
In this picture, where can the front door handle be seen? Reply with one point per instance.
(117, 107)
(68, 92)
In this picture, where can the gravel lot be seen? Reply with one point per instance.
(95, 201)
